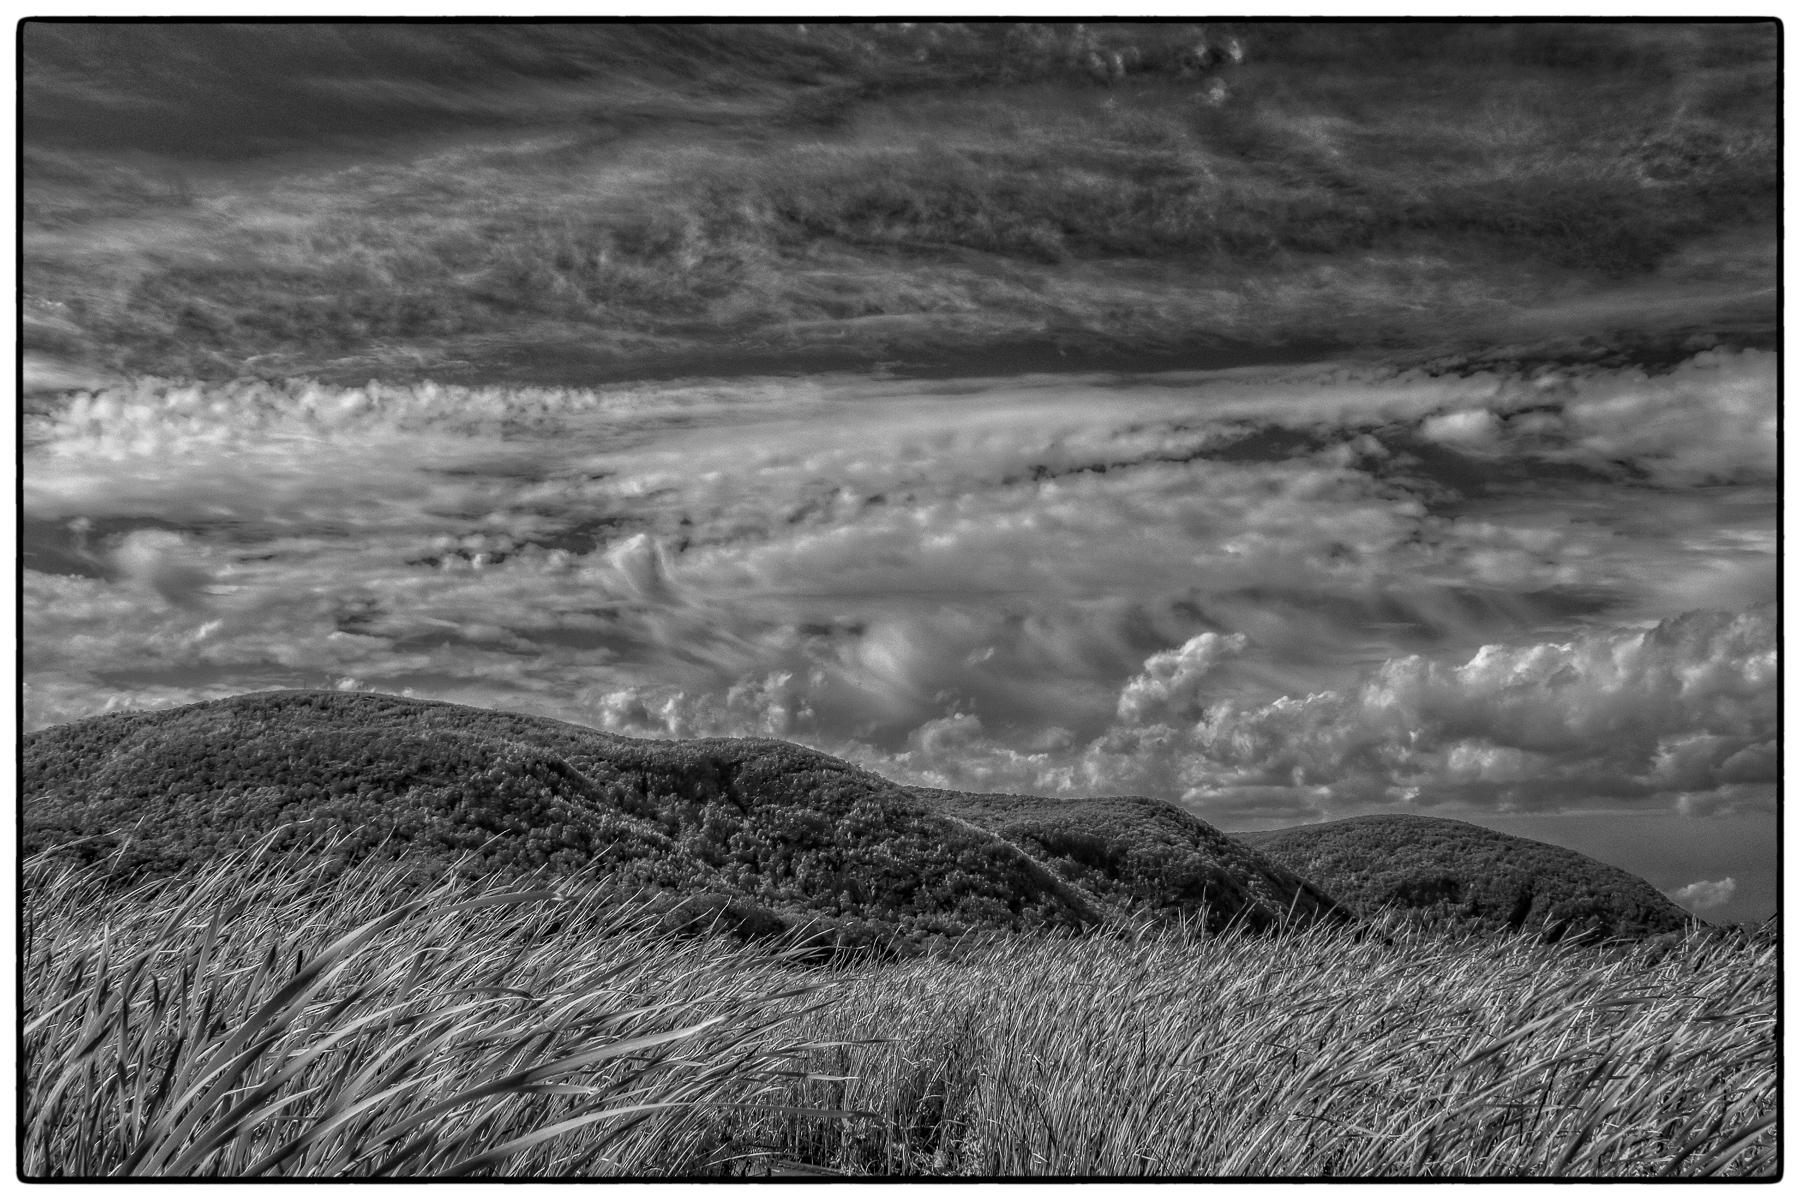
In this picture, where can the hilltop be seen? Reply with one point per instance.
(1453, 874)
(763, 834)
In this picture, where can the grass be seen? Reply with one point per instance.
(1316, 1055)
(315, 1030)
(933, 190)
(249, 1019)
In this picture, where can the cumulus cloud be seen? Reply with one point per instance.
(1269, 593)
(1705, 894)
(1680, 716)
(1175, 681)
(1686, 709)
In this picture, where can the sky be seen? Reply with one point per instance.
(1273, 595)
(1540, 599)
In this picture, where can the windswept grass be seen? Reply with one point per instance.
(251, 1021)
(252, 1018)
(1310, 1054)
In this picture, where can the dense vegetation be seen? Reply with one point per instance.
(571, 201)
(1142, 855)
(265, 1017)
(1451, 873)
(760, 833)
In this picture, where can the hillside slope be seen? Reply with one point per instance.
(1146, 855)
(1461, 875)
(767, 830)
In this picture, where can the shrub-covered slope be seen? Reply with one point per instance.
(742, 825)
(1457, 874)
(1147, 855)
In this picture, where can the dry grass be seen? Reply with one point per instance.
(228, 1024)
(253, 1021)
(1312, 1054)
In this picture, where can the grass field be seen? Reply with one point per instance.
(255, 1018)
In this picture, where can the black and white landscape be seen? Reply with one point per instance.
(981, 599)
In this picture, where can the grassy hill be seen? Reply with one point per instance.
(572, 203)
(764, 833)
(1452, 873)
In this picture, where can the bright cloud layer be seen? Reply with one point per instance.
(1270, 593)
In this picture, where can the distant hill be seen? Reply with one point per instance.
(1461, 875)
(1146, 855)
(761, 833)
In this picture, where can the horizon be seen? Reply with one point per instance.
(1455, 526)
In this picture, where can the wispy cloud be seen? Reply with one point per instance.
(1273, 593)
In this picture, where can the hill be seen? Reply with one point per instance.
(1462, 875)
(1145, 855)
(761, 832)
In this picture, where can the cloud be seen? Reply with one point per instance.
(165, 563)
(1174, 681)
(1472, 427)
(1272, 594)
(1709, 421)
(1684, 709)
(639, 562)
(947, 735)
(1680, 716)
(1704, 894)
(48, 373)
